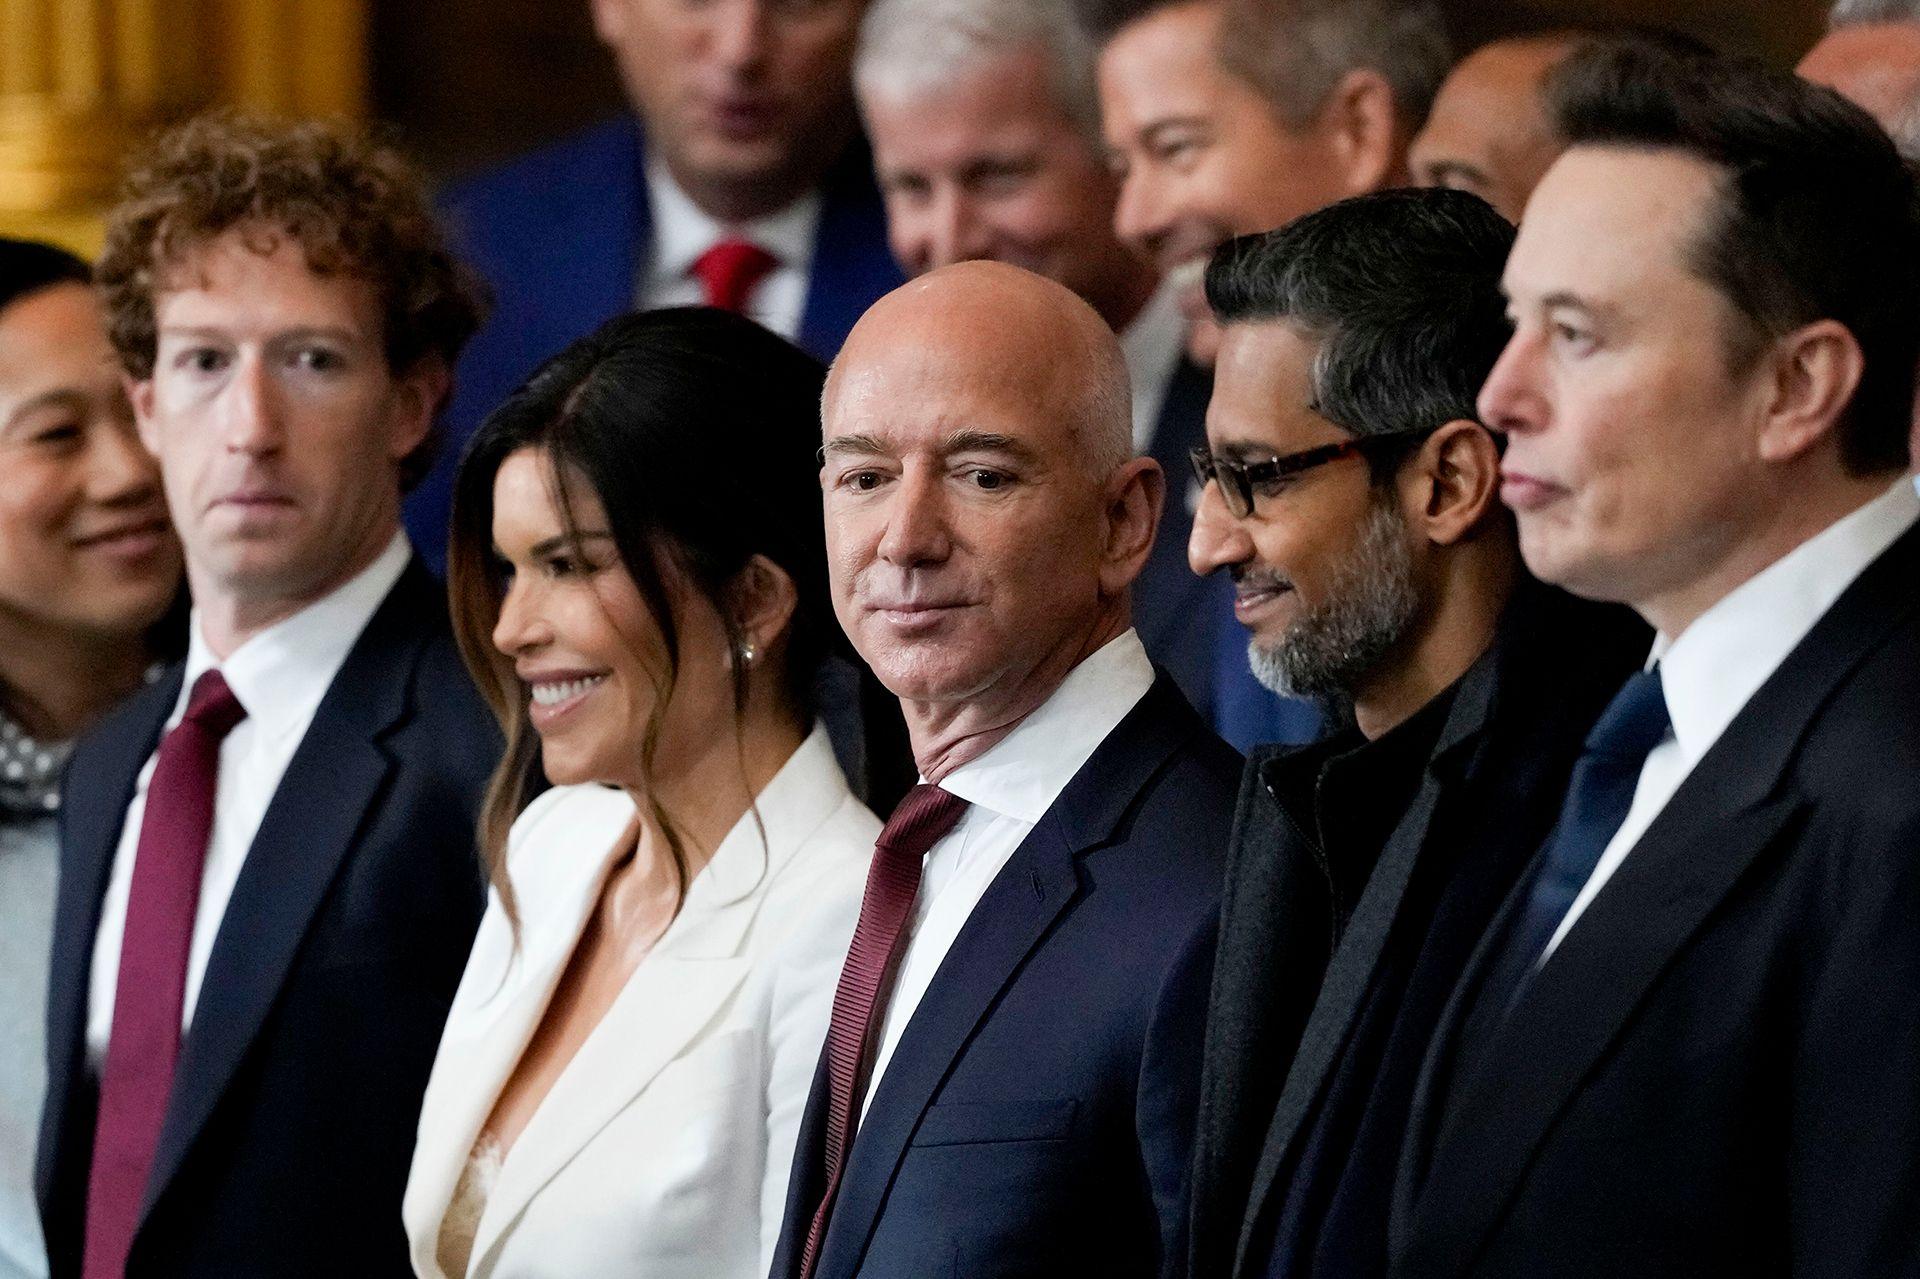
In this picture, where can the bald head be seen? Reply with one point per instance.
(990, 322)
(984, 517)
(1489, 132)
(1875, 65)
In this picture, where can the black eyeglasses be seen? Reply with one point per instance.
(1241, 482)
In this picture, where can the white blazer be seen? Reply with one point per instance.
(664, 1147)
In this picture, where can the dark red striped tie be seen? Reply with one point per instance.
(917, 824)
(151, 990)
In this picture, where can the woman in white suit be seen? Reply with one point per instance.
(639, 584)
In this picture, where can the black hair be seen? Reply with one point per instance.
(1401, 291)
(1105, 19)
(698, 431)
(1815, 219)
(28, 266)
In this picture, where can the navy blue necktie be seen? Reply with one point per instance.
(1598, 798)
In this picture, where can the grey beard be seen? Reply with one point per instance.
(1371, 604)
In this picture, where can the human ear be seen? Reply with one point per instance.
(1815, 372)
(1360, 122)
(140, 396)
(418, 394)
(1134, 496)
(761, 601)
(1452, 482)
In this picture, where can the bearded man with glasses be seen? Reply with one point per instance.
(1352, 495)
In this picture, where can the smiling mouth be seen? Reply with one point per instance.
(551, 693)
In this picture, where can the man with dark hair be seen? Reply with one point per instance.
(1353, 497)
(1689, 1043)
(1228, 117)
(268, 881)
(738, 181)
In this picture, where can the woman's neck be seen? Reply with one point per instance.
(57, 682)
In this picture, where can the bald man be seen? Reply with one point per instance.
(1488, 132)
(1009, 1083)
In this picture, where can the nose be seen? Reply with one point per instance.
(740, 34)
(1511, 399)
(519, 629)
(1218, 539)
(916, 531)
(120, 471)
(252, 408)
(952, 231)
(1139, 215)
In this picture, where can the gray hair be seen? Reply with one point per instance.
(1859, 13)
(1295, 51)
(909, 46)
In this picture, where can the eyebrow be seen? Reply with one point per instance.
(958, 442)
(566, 541)
(338, 333)
(60, 397)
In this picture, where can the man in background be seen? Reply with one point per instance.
(1489, 132)
(985, 120)
(268, 880)
(740, 181)
(1871, 55)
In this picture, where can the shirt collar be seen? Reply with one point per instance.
(281, 674)
(1715, 666)
(682, 230)
(1024, 772)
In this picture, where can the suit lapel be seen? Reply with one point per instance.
(90, 837)
(588, 261)
(1734, 807)
(306, 835)
(1350, 974)
(1018, 909)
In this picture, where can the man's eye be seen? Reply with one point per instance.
(201, 359)
(319, 359)
(989, 481)
(57, 435)
(861, 481)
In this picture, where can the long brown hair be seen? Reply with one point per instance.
(697, 431)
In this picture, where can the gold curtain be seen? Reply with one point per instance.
(82, 80)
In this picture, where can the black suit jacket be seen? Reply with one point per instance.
(1036, 1116)
(1288, 997)
(290, 1128)
(1718, 1070)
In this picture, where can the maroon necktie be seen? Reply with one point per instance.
(917, 824)
(730, 270)
(147, 1000)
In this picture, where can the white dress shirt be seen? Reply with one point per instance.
(1714, 667)
(682, 232)
(1153, 345)
(279, 677)
(1008, 789)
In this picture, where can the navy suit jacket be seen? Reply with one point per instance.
(290, 1128)
(1717, 1072)
(561, 235)
(1036, 1116)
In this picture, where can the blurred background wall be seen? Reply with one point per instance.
(461, 83)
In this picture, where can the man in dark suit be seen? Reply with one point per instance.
(740, 181)
(1008, 1081)
(268, 881)
(1353, 497)
(985, 122)
(1689, 1044)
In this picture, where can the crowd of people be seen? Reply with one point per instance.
(1373, 593)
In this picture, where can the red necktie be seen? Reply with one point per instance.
(893, 880)
(147, 1001)
(730, 270)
